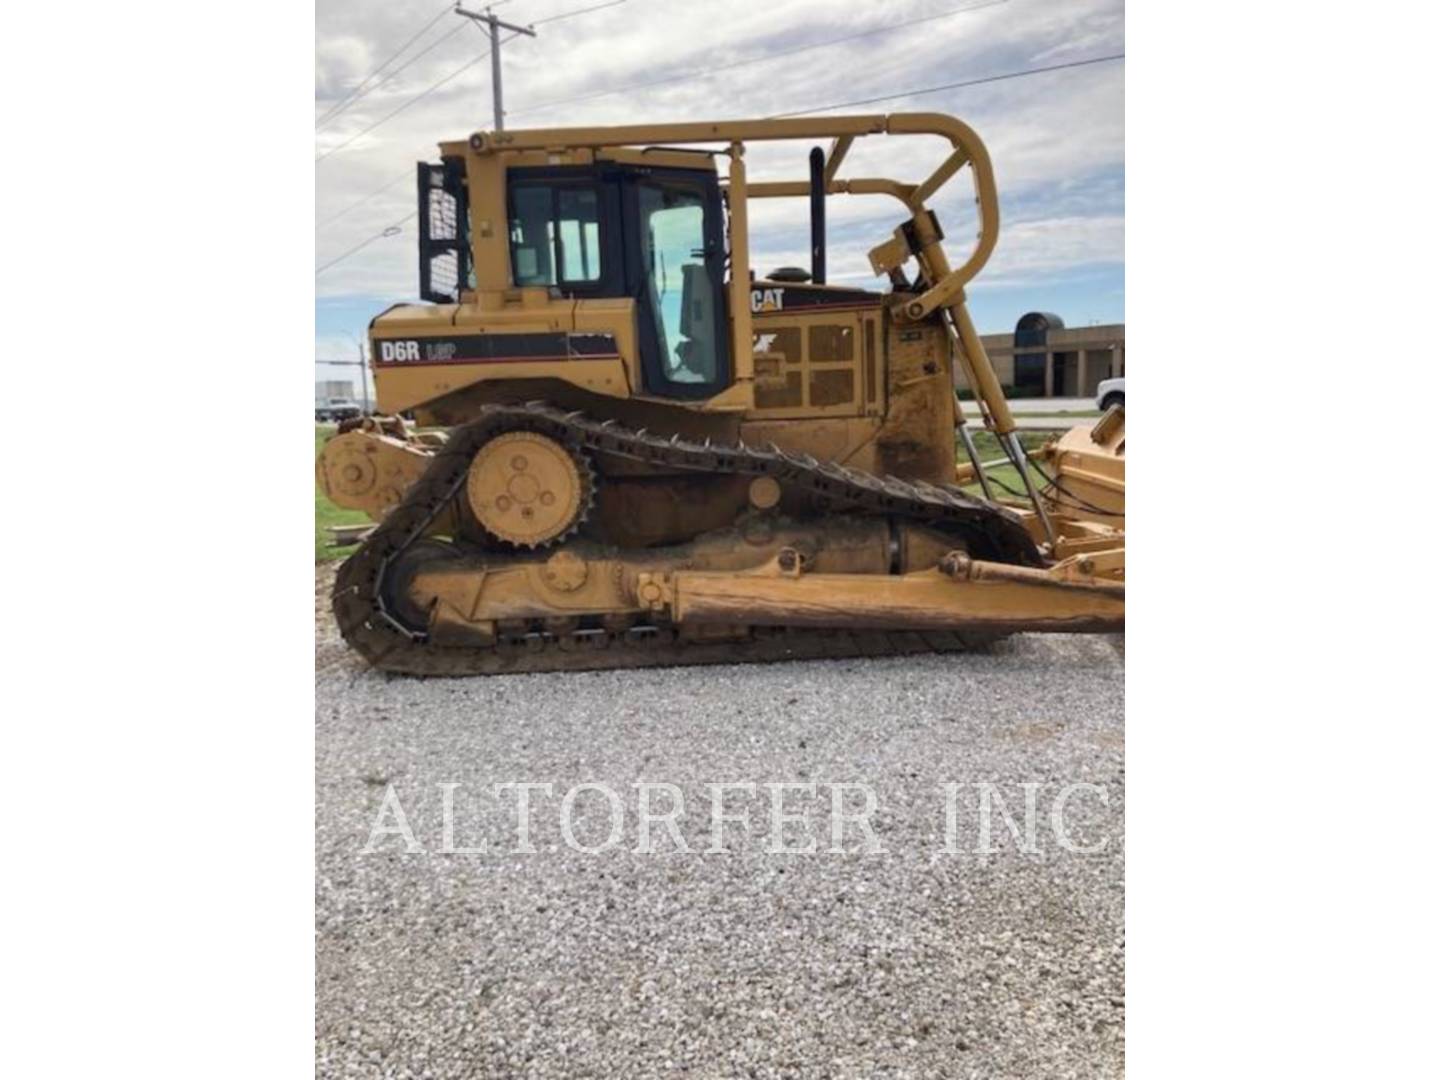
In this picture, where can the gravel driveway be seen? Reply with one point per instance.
(917, 960)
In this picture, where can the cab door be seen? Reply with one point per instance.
(675, 262)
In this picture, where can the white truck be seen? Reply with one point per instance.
(1110, 392)
(336, 409)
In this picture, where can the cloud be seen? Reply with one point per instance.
(1031, 250)
(341, 62)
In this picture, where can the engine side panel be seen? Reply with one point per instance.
(422, 354)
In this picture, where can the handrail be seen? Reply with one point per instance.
(987, 201)
(966, 149)
(769, 189)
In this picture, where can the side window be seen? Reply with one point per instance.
(555, 234)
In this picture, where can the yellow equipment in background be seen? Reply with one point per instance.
(655, 457)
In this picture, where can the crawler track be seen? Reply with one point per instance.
(360, 609)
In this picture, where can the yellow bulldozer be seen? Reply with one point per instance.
(636, 452)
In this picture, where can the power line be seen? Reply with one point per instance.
(325, 120)
(572, 14)
(343, 101)
(363, 200)
(464, 67)
(950, 86)
(694, 75)
(396, 112)
(389, 230)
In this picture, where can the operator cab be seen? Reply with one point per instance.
(612, 231)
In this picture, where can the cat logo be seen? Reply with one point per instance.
(398, 352)
(767, 300)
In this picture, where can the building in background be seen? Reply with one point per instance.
(1044, 359)
(327, 389)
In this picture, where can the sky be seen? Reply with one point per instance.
(1057, 138)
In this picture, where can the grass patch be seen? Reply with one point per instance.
(988, 447)
(327, 513)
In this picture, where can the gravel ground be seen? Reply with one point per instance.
(915, 961)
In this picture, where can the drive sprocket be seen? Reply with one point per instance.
(528, 489)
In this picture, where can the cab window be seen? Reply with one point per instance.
(555, 234)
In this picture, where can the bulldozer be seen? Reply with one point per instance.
(632, 451)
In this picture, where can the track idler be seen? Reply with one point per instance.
(370, 465)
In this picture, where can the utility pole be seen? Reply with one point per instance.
(497, 90)
(364, 371)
